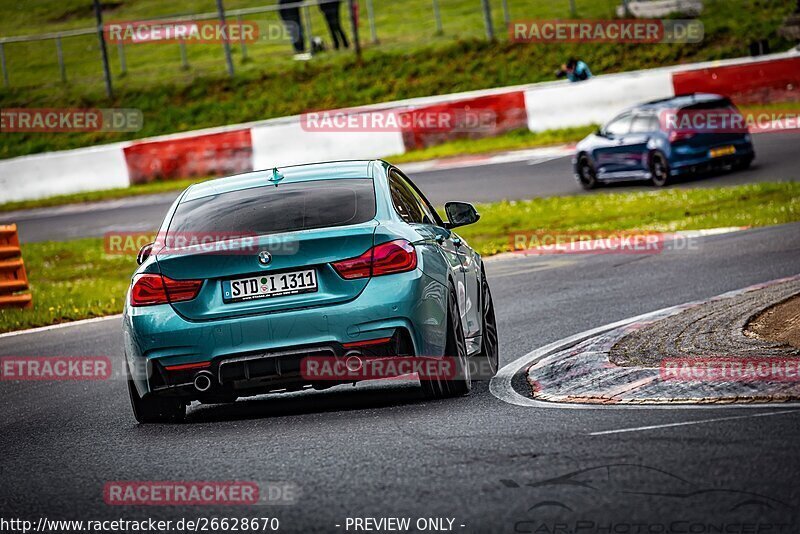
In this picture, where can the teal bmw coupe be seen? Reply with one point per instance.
(345, 261)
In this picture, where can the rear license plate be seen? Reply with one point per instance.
(723, 151)
(269, 285)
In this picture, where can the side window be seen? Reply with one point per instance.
(429, 216)
(619, 126)
(644, 124)
(404, 202)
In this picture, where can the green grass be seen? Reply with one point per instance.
(70, 281)
(409, 62)
(761, 204)
(76, 279)
(514, 140)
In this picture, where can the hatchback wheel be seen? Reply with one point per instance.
(155, 409)
(490, 348)
(659, 169)
(743, 164)
(458, 381)
(586, 173)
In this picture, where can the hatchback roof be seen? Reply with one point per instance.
(329, 170)
(682, 101)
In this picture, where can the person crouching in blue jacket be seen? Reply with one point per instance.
(575, 70)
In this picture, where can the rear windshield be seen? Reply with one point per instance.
(285, 208)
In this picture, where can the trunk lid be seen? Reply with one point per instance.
(290, 252)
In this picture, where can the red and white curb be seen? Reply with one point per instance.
(501, 386)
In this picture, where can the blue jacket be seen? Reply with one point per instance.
(580, 73)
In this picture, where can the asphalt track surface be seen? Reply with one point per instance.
(777, 160)
(381, 450)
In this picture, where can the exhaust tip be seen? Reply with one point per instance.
(202, 381)
(353, 361)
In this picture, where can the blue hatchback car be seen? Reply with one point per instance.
(666, 138)
(344, 260)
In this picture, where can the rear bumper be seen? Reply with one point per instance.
(699, 160)
(156, 337)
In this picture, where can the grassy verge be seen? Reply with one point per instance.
(175, 100)
(77, 280)
(70, 281)
(671, 210)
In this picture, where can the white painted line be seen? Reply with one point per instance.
(60, 325)
(532, 156)
(545, 160)
(687, 423)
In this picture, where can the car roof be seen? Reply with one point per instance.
(329, 170)
(680, 101)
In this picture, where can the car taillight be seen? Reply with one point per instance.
(396, 256)
(678, 135)
(150, 289)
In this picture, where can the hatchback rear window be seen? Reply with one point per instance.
(274, 209)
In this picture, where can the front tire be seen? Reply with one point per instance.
(458, 382)
(154, 409)
(587, 175)
(659, 169)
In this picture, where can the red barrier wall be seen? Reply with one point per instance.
(759, 82)
(483, 116)
(203, 155)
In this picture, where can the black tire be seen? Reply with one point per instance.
(489, 357)
(743, 164)
(155, 409)
(460, 382)
(659, 169)
(587, 175)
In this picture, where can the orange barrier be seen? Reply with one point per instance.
(12, 271)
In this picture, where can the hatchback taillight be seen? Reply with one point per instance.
(680, 135)
(396, 256)
(150, 289)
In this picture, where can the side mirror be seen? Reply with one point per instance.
(460, 214)
(144, 253)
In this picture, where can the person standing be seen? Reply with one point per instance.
(290, 13)
(330, 9)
